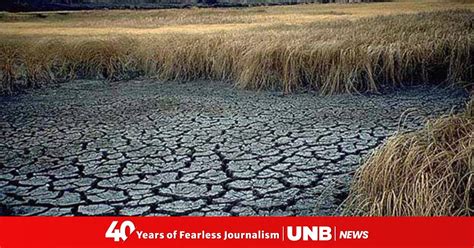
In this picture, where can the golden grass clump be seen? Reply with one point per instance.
(424, 173)
(285, 48)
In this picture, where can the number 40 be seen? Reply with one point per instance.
(121, 233)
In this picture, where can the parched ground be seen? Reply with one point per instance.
(204, 148)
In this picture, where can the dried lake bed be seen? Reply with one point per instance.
(201, 148)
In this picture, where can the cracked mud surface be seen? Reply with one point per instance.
(204, 148)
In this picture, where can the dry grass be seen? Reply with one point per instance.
(331, 48)
(425, 173)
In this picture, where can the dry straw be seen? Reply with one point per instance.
(359, 55)
(424, 173)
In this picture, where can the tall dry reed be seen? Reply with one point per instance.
(424, 173)
(363, 55)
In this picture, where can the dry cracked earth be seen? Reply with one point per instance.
(203, 148)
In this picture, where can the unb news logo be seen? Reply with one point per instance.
(291, 233)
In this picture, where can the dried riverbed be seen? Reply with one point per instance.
(203, 148)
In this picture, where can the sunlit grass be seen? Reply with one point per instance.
(429, 172)
(332, 48)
